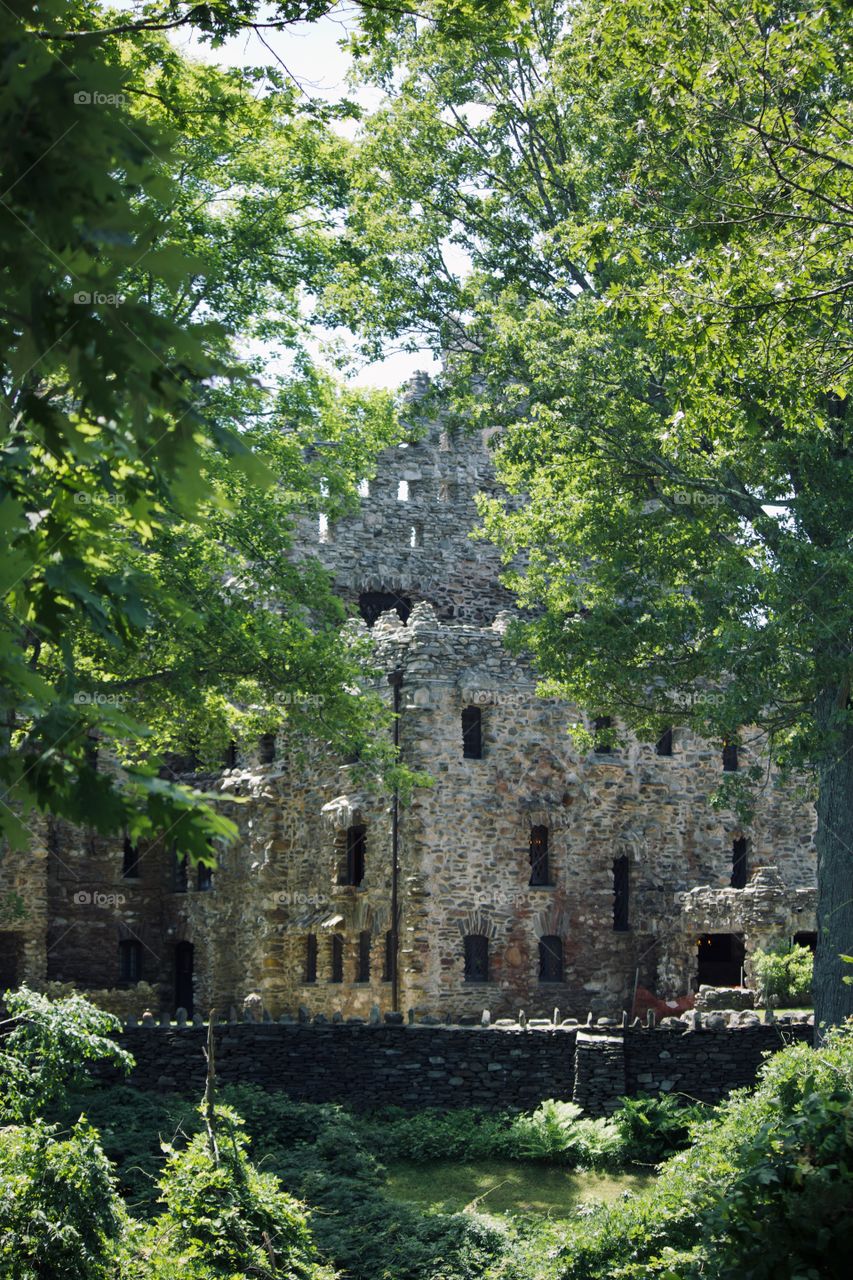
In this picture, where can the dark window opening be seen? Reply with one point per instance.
(11, 960)
(311, 958)
(740, 863)
(476, 958)
(730, 760)
(356, 846)
(372, 603)
(621, 893)
(181, 874)
(130, 961)
(204, 877)
(720, 958)
(266, 748)
(184, 977)
(129, 859)
(472, 733)
(362, 973)
(663, 746)
(539, 870)
(550, 959)
(388, 962)
(230, 758)
(337, 948)
(602, 746)
(806, 940)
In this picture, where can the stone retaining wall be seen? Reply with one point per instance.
(414, 1066)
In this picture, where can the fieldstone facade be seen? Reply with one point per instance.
(615, 859)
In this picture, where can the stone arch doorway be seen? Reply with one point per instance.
(184, 976)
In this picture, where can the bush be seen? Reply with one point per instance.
(766, 1191)
(60, 1214)
(653, 1128)
(224, 1218)
(559, 1131)
(784, 976)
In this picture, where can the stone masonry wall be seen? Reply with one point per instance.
(413, 1067)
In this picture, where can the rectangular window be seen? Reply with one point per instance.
(472, 733)
(130, 960)
(663, 746)
(204, 877)
(551, 959)
(337, 948)
(621, 890)
(602, 746)
(539, 870)
(476, 958)
(730, 760)
(266, 748)
(180, 882)
(311, 958)
(356, 848)
(363, 970)
(403, 491)
(740, 867)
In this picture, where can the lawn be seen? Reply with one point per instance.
(505, 1186)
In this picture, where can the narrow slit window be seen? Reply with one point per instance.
(130, 961)
(476, 958)
(550, 958)
(204, 877)
(364, 488)
(539, 870)
(730, 757)
(403, 491)
(740, 863)
(416, 535)
(388, 963)
(337, 949)
(323, 530)
(311, 958)
(472, 733)
(621, 892)
(356, 849)
(181, 873)
(363, 970)
(129, 859)
(663, 747)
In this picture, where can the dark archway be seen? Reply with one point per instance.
(184, 977)
(372, 603)
(720, 958)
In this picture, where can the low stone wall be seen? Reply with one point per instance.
(418, 1066)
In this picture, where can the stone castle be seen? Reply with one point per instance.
(531, 875)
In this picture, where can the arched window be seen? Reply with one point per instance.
(363, 971)
(476, 957)
(621, 890)
(311, 958)
(130, 960)
(740, 863)
(337, 948)
(355, 855)
(539, 869)
(472, 733)
(550, 958)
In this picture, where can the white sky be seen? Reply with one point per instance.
(311, 53)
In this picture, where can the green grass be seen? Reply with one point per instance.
(506, 1186)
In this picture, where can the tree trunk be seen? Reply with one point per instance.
(833, 998)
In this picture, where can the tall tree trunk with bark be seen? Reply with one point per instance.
(833, 998)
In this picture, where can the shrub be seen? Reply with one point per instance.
(784, 976)
(766, 1190)
(559, 1131)
(60, 1214)
(225, 1218)
(653, 1128)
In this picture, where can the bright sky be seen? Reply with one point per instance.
(311, 53)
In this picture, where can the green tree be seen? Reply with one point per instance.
(157, 216)
(655, 199)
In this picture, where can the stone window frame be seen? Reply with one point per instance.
(473, 735)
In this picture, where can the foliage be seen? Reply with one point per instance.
(652, 1128)
(48, 1048)
(765, 1190)
(224, 1218)
(59, 1210)
(784, 975)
